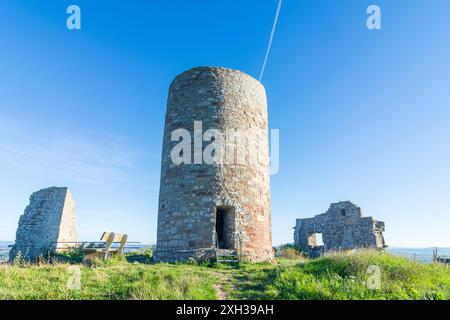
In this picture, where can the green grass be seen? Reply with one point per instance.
(335, 276)
(110, 280)
(344, 276)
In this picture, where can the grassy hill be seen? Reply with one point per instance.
(335, 276)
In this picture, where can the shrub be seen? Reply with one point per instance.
(70, 256)
(289, 251)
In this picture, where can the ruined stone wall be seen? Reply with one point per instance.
(342, 227)
(190, 194)
(49, 218)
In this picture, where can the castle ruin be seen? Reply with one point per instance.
(205, 207)
(48, 219)
(342, 227)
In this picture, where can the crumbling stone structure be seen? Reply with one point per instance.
(342, 227)
(204, 207)
(48, 219)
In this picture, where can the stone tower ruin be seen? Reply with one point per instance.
(48, 219)
(342, 227)
(206, 206)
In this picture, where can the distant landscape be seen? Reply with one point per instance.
(424, 255)
(4, 249)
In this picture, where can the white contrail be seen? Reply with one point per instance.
(271, 39)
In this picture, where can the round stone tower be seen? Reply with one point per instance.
(215, 186)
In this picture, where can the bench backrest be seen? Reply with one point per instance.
(111, 237)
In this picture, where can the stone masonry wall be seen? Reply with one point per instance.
(190, 194)
(342, 227)
(49, 218)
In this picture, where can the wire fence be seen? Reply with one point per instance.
(420, 255)
(67, 246)
(130, 247)
(415, 255)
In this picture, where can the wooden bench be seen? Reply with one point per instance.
(103, 251)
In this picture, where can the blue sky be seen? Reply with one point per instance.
(363, 115)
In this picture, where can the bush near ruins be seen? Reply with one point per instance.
(69, 256)
(289, 251)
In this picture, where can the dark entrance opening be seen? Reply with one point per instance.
(224, 228)
(220, 223)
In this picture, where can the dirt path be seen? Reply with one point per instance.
(221, 295)
(225, 278)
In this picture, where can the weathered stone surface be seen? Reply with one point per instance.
(192, 194)
(342, 227)
(49, 218)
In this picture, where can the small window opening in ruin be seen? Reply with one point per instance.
(315, 240)
(319, 239)
(224, 228)
(343, 213)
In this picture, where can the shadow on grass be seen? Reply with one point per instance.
(254, 283)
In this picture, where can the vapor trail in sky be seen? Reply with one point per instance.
(271, 39)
